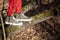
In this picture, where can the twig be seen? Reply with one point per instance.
(4, 35)
(3, 27)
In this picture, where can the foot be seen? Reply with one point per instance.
(11, 21)
(22, 17)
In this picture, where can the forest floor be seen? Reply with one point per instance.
(46, 30)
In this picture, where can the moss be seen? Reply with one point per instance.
(11, 29)
(43, 14)
(27, 6)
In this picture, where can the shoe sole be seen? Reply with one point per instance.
(23, 19)
(20, 24)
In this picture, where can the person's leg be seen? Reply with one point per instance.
(11, 8)
(10, 17)
(20, 16)
(18, 6)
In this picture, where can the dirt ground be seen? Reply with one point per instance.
(46, 30)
